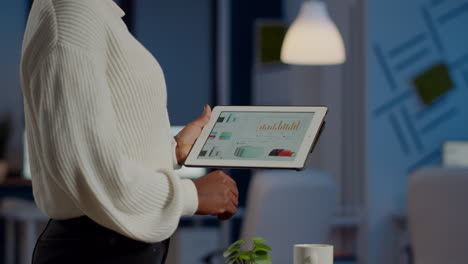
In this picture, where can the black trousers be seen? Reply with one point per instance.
(82, 241)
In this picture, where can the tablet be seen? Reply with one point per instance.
(258, 137)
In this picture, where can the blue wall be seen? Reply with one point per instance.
(178, 33)
(12, 22)
(405, 38)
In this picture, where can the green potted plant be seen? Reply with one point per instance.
(258, 254)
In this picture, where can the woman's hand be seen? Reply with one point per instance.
(217, 195)
(189, 134)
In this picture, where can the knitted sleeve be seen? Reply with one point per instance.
(78, 134)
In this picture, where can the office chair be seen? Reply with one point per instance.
(438, 215)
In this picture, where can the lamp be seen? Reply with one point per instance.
(313, 38)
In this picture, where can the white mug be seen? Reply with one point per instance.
(313, 254)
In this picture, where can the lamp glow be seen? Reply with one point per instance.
(313, 38)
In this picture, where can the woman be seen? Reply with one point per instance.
(101, 155)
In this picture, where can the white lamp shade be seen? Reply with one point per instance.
(313, 38)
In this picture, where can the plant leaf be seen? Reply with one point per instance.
(230, 259)
(258, 255)
(237, 243)
(245, 253)
(234, 247)
(263, 259)
(260, 252)
(230, 251)
(258, 239)
(236, 256)
(246, 257)
(262, 247)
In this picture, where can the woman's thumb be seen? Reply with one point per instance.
(204, 118)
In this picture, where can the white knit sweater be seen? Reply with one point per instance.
(97, 125)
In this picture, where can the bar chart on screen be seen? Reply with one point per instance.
(272, 124)
(278, 127)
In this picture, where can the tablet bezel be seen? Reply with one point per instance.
(301, 158)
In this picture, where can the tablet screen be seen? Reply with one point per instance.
(266, 136)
